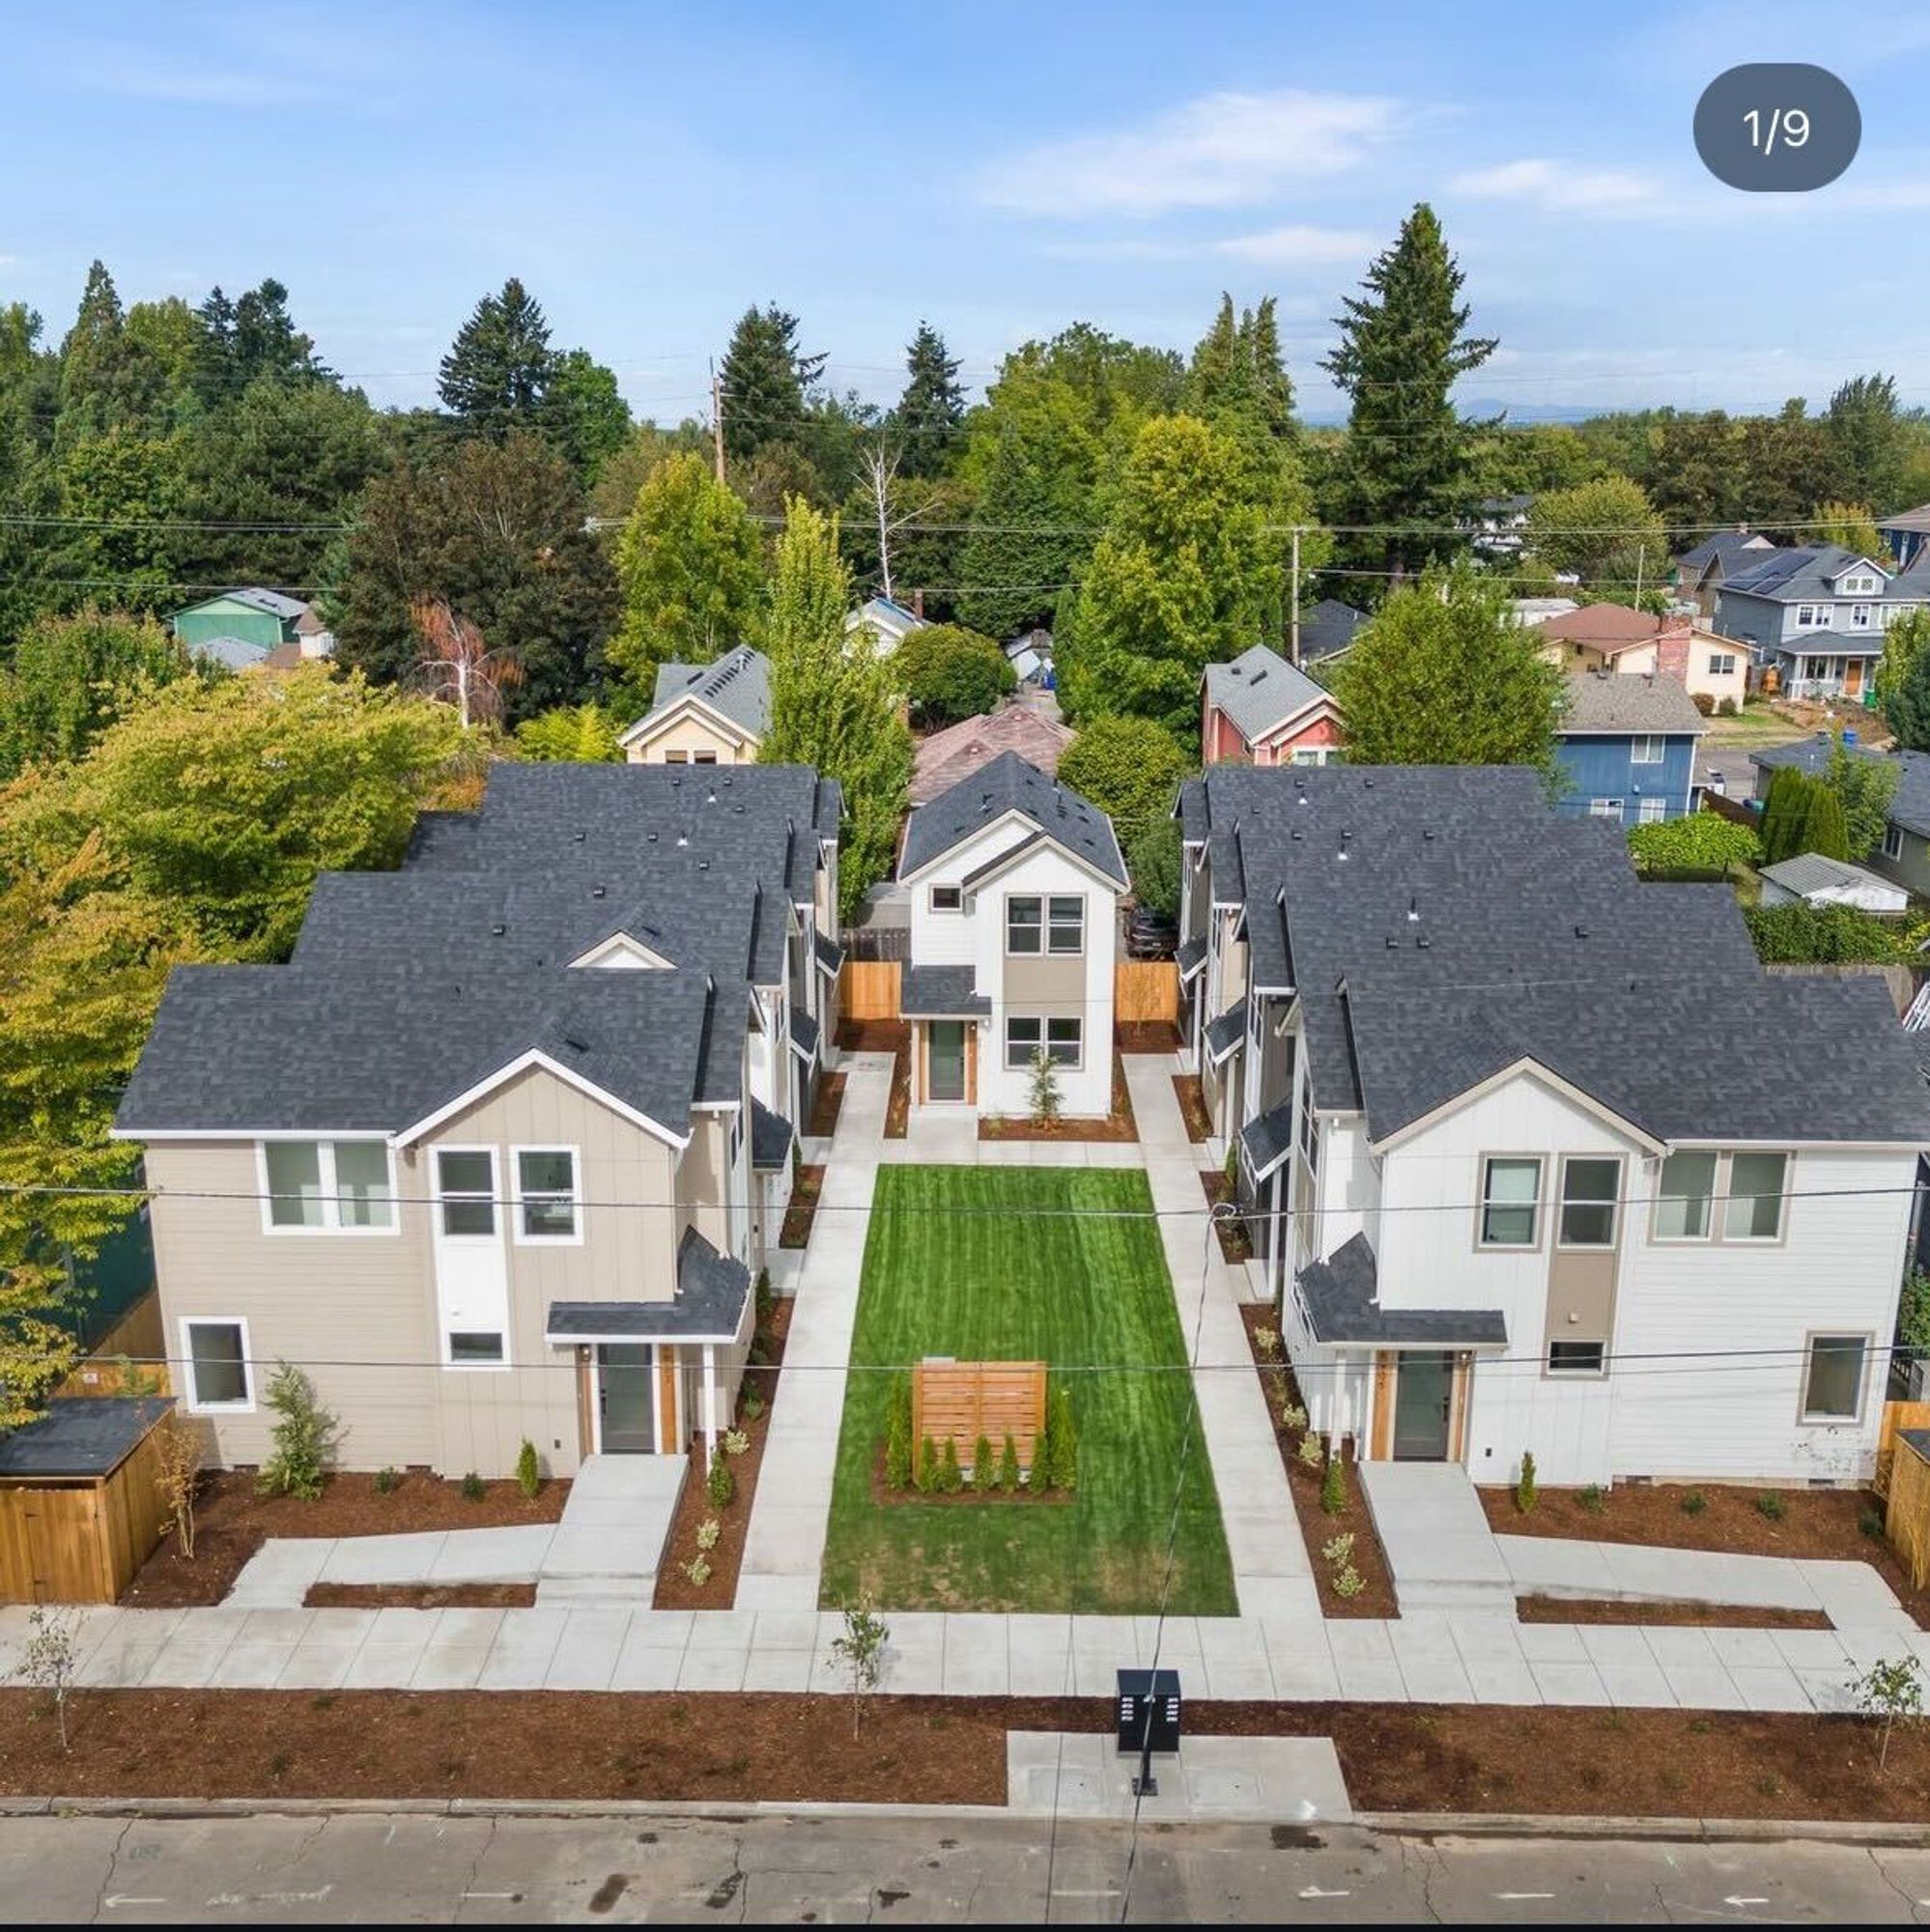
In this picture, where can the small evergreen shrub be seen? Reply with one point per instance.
(474, 1488)
(1526, 1495)
(897, 1434)
(1065, 1441)
(1694, 1503)
(751, 1406)
(304, 1435)
(1009, 1465)
(528, 1477)
(1339, 1550)
(388, 1480)
(698, 1570)
(1593, 1499)
(1333, 1483)
(767, 1300)
(1041, 1453)
(950, 1478)
(984, 1471)
(735, 1442)
(1293, 1417)
(721, 1484)
(1771, 1505)
(1042, 1088)
(1871, 1523)
(1266, 1343)
(929, 1470)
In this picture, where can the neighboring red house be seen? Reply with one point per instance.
(1260, 710)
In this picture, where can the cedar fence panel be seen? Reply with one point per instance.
(1146, 991)
(1896, 1415)
(867, 990)
(967, 1400)
(1906, 1518)
(138, 1337)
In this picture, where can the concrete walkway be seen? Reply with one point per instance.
(1435, 1537)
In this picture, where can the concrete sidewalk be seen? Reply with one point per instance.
(1435, 1537)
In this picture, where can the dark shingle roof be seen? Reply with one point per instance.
(1225, 1033)
(1338, 1295)
(1258, 691)
(829, 953)
(1909, 802)
(939, 993)
(1328, 629)
(1009, 784)
(82, 1436)
(804, 1033)
(771, 1137)
(708, 1304)
(1268, 1139)
(737, 685)
(1738, 550)
(1613, 703)
(1805, 573)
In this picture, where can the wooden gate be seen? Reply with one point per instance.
(1146, 992)
(967, 1400)
(867, 990)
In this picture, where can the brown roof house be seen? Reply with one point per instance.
(947, 757)
(1637, 643)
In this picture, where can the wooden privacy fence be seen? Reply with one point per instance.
(80, 1508)
(135, 1340)
(867, 990)
(1898, 1417)
(1146, 991)
(1907, 1513)
(967, 1400)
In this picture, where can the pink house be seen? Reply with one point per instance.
(1260, 710)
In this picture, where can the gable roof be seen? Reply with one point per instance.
(737, 687)
(1009, 784)
(1328, 629)
(1909, 804)
(1917, 519)
(1815, 872)
(1735, 549)
(1613, 703)
(1605, 627)
(884, 614)
(409, 989)
(1809, 573)
(950, 756)
(231, 653)
(1260, 691)
(1443, 925)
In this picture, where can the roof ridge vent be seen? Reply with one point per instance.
(575, 1044)
(599, 892)
(1413, 909)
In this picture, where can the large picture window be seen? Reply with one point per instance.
(1832, 1383)
(217, 1364)
(1511, 1190)
(328, 1186)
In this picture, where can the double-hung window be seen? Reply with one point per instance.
(1647, 749)
(1686, 1196)
(545, 1194)
(1026, 1034)
(1589, 1186)
(1721, 664)
(1066, 924)
(1859, 616)
(218, 1363)
(1833, 1380)
(328, 1186)
(1652, 812)
(1604, 808)
(466, 1190)
(1754, 1208)
(1025, 923)
(1511, 1189)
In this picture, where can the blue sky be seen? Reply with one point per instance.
(1003, 169)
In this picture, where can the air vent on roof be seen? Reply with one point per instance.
(1296, 833)
(1392, 942)
(683, 839)
(582, 835)
(650, 838)
(1260, 676)
(1428, 835)
(1413, 909)
(712, 799)
(1582, 932)
(1422, 942)
(1367, 784)
(498, 930)
(596, 892)
(575, 1044)
(704, 865)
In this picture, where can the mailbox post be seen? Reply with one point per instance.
(1149, 1721)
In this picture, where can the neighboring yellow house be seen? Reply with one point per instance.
(1611, 637)
(714, 714)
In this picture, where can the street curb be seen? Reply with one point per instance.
(1542, 1825)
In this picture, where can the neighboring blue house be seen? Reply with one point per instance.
(1627, 747)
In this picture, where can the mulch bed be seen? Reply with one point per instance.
(872, 1035)
(1710, 1617)
(1376, 1597)
(1193, 1108)
(827, 1106)
(1145, 1037)
(734, 1748)
(231, 1524)
(898, 1104)
(1117, 1125)
(1825, 1523)
(801, 1210)
(1234, 1245)
(719, 1590)
(420, 1596)
(887, 1497)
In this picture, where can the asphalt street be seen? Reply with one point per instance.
(411, 1868)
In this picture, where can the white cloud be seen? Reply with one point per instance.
(1296, 246)
(1220, 151)
(1556, 187)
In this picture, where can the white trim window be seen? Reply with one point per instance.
(1757, 1190)
(1025, 924)
(215, 1351)
(327, 1187)
(1721, 664)
(1833, 1378)
(1652, 812)
(1066, 925)
(1893, 841)
(547, 1196)
(1064, 1041)
(1859, 616)
(1604, 808)
(1511, 1195)
(1686, 1196)
(1650, 749)
(1810, 617)
(465, 1193)
(475, 1349)
(948, 898)
(1590, 1187)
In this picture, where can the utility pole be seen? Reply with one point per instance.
(717, 418)
(1295, 632)
(1641, 558)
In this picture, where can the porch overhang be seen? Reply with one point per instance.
(1340, 1297)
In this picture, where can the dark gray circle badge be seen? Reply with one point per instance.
(1778, 127)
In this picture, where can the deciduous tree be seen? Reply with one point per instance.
(948, 673)
(1130, 767)
(71, 678)
(1606, 531)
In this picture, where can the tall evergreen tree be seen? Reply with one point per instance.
(1403, 346)
(109, 377)
(499, 366)
(1867, 440)
(766, 382)
(932, 407)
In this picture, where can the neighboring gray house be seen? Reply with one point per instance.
(713, 714)
(496, 1155)
(1903, 854)
(1700, 573)
(1818, 615)
(1327, 630)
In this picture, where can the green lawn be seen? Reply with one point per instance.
(1008, 1279)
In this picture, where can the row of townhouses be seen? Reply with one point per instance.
(1525, 1173)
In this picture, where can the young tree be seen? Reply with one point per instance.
(1903, 642)
(458, 666)
(498, 531)
(51, 1658)
(1403, 348)
(1890, 1689)
(1606, 531)
(72, 676)
(1849, 525)
(691, 570)
(499, 367)
(1185, 573)
(766, 382)
(178, 1477)
(948, 673)
(1864, 787)
(834, 700)
(1043, 1093)
(1152, 860)
(304, 1437)
(1442, 676)
(584, 735)
(860, 1649)
(1130, 767)
(933, 408)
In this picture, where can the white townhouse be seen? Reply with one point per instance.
(1521, 1179)
(1014, 885)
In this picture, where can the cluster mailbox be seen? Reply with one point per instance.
(1149, 1712)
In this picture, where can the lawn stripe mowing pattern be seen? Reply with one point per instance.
(1008, 1279)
